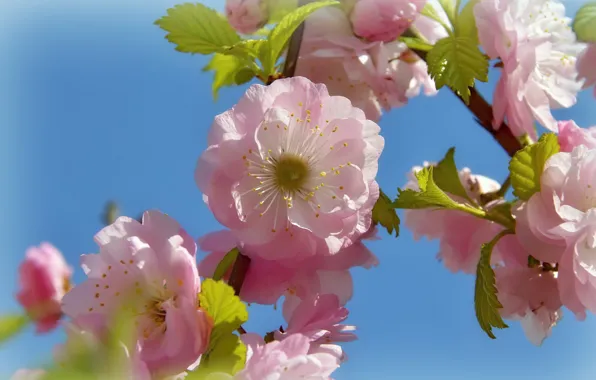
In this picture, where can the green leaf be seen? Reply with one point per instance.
(226, 353)
(282, 32)
(225, 264)
(526, 166)
(457, 62)
(584, 23)
(195, 28)
(219, 301)
(384, 213)
(466, 22)
(248, 49)
(416, 43)
(446, 176)
(226, 69)
(228, 356)
(429, 196)
(11, 325)
(486, 302)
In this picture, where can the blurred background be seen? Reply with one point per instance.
(96, 105)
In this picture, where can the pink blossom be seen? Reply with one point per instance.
(28, 374)
(570, 136)
(384, 20)
(330, 54)
(291, 166)
(530, 295)
(267, 280)
(154, 261)
(289, 359)
(586, 65)
(318, 317)
(44, 278)
(247, 16)
(534, 41)
(558, 225)
(459, 247)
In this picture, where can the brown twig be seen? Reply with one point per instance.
(484, 116)
(294, 48)
(239, 272)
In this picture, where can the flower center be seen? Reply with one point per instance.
(291, 173)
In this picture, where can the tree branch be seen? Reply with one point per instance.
(484, 116)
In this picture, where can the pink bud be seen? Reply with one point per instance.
(384, 20)
(44, 278)
(246, 16)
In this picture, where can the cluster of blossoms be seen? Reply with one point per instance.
(290, 173)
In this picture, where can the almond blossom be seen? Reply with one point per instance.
(291, 164)
(384, 20)
(289, 359)
(534, 41)
(571, 135)
(267, 280)
(154, 262)
(247, 16)
(44, 278)
(586, 65)
(28, 374)
(558, 225)
(319, 318)
(459, 248)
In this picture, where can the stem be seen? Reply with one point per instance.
(504, 187)
(294, 47)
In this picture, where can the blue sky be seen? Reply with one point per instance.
(96, 105)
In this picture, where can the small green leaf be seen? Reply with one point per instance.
(457, 62)
(226, 68)
(527, 164)
(384, 213)
(282, 32)
(225, 264)
(219, 301)
(446, 176)
(248, 49)
(195, 28)
(486, 302)
(111, 213)
(466, 22)
(226, 353)
(429, 196)
(584, 23)
(11, 325)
